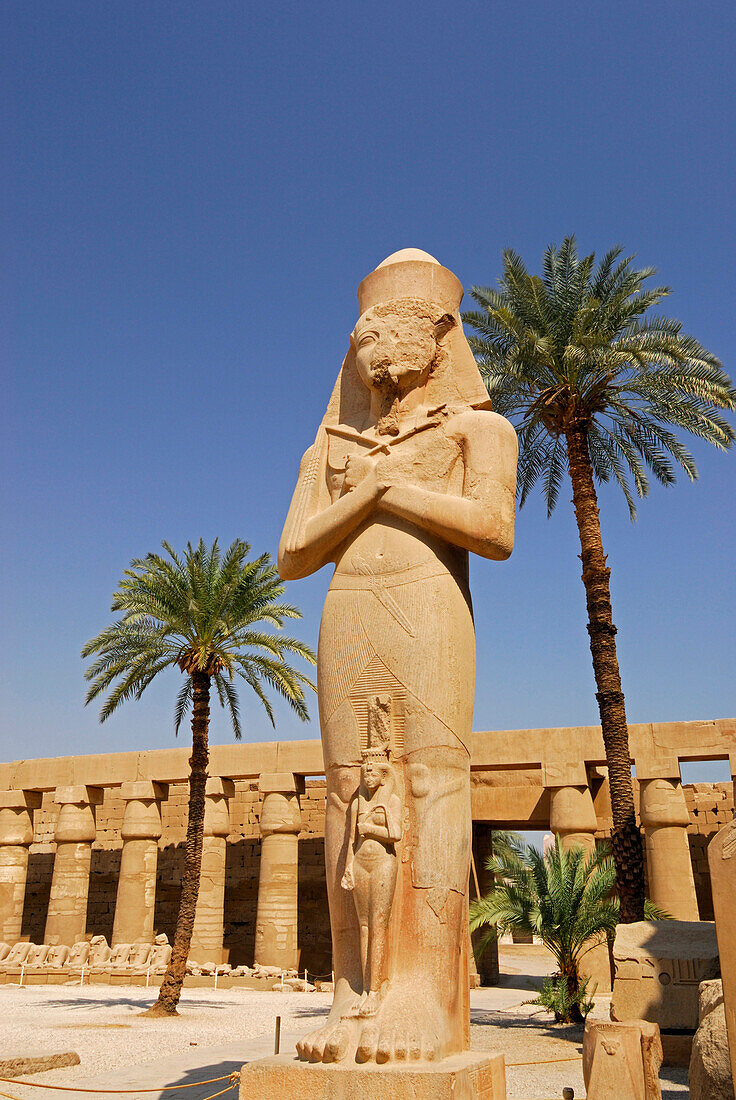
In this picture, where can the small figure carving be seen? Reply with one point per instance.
(370, 872)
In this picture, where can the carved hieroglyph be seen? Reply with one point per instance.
(410, 470)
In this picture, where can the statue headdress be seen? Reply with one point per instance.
(412, 273)
(379, 730)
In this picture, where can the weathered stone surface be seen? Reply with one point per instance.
(24, 1063)
(658, 968)
(461, 1077)
(710, 1066)
(621, 1061)
(136, 896)
(409, 471)
(665, 818)
(572, 816)
(721, 852)
(277, 918)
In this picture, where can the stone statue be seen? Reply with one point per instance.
(409, 471)
(370, 870)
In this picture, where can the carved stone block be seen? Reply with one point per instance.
(658, 968)
(621, 1061)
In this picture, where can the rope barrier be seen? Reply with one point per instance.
(9, 1096)
(546, 1061)
(233, 1078)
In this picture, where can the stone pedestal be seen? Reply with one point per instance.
(277, 918)
(66, 919)
(207, 936)
(669, 867)
(136, 897)
(487, 966)
(621, 1061)
(467, 1076)
(572, 815)
(722, 862)
(16, 833)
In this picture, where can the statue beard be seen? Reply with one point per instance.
(388, 388)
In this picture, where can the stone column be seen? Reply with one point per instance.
(665, 820)
(572, 815)
(276, 922)
(487, 967)
(141, 829)
(209, 919)
(66, 919)
(16, 833)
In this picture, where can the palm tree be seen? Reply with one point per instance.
(202, 613)
(566, 898)
(594, 387)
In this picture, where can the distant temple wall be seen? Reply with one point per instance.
(529, 779)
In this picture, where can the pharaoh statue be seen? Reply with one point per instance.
(410, 470)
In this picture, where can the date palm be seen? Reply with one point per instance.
(566, 898)
(203, 613)
(594, 388)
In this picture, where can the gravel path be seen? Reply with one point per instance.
(220, 1028)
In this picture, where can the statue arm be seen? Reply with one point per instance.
(482, 519)
(314, 527)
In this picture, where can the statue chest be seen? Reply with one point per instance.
(429, 459)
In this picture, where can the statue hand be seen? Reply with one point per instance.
(360, 470)
(347, 879)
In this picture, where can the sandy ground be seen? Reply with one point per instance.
(219, 1029)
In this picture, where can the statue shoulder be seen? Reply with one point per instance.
(469, 423)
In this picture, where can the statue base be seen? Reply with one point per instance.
(467, 1076)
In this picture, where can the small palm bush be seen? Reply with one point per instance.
(566, 898)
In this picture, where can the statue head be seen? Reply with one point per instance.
(375, 769)
(408, 335)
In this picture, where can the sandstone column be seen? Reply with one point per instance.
(66, 920)
(276, 922)
(482, 849)
(721, 852)
(209, 919)
(141, 829)
(16, 833)
(572, 815)
(665, 819)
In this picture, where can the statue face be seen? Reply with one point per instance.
(394, 351)
(373, 775)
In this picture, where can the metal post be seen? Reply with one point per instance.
(277, 1036)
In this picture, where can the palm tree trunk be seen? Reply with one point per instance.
(171, 986)
(626, 839)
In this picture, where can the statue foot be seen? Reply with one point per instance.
(405, 1027)
(330, 1042)
(370, 1005)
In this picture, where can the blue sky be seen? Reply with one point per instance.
(191, 193)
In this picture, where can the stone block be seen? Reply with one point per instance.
(710, 1070)
(658, 968)
(621, 1061)
(35, 1061)
(469, 1076)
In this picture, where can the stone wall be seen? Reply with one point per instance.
(243, 865)
(710, 806)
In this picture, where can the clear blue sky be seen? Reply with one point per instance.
(191, 194)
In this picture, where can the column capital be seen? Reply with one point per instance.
(662, 802)
(565, 773)
(657, 767)
(217, 785)
(283, 782)
(20, 800)
(572, 810)
(144, 790)
(78, 795)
